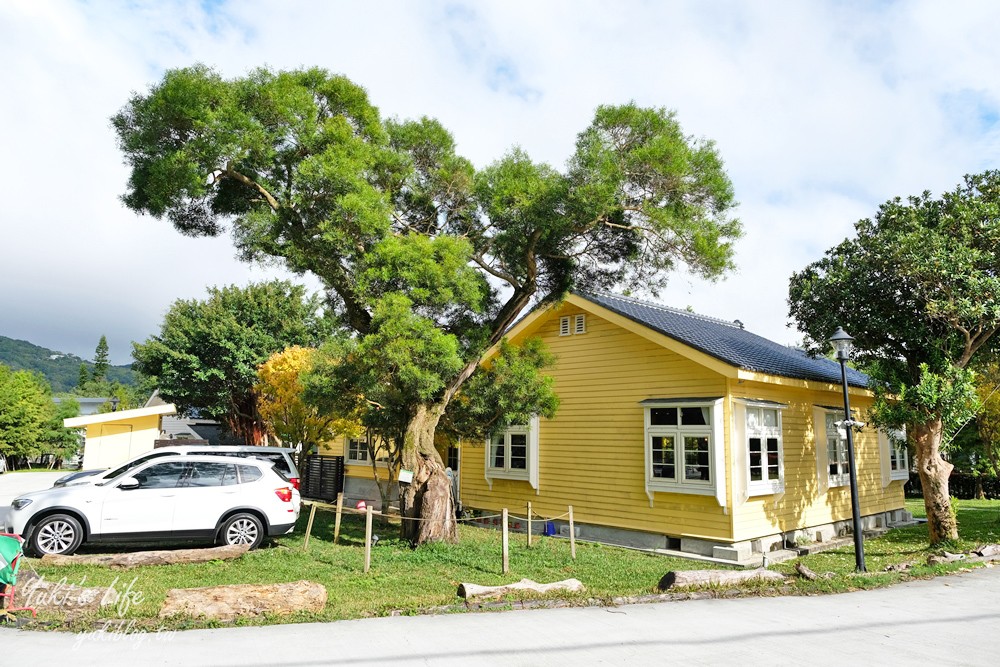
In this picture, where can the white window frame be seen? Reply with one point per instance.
(351, 459)
(715, 484)
(580, 324)
(530, 472)
(892, 445)
(564, 326)
(842, 478)
(764, 486)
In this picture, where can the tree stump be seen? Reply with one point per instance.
(139, 558)
(682, 578)
(230, 602)
(471, 591)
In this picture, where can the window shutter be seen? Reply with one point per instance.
(822, 458)
(533, 453)
(884, 452)
(564, 326)
(580, 324)
(739, 449)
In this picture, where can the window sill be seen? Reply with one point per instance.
(840, 480)
(903, 475)
(367, 464)
(505, 474)
(689, 489)
(765, 489)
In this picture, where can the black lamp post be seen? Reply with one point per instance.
(114, 403)
(842, 345)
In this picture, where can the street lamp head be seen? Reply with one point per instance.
(114, 403)
(842, 344)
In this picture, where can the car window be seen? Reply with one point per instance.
(137, 462)
(205, 473)
(161, 476)
(277, 458)
(249, 474)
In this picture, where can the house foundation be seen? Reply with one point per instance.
(774, 547)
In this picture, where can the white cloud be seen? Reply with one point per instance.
(821, 111)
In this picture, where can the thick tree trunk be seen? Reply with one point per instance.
(428, 506)
(934, 472)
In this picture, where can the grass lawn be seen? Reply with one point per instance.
(403, 580)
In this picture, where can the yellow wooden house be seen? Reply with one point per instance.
(688, 433)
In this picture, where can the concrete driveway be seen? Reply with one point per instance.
(13, 484)
(945, 621)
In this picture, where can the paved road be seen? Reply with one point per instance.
(947, 621)
(13, 484)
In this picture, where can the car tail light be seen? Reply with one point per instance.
(296, 482)
(284, 493)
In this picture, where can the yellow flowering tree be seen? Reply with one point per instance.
(287, 416)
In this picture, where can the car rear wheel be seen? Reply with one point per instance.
(242, 529)
(56, 534)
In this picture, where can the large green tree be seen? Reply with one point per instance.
(206, 355)
(918, 287)
(417, 248)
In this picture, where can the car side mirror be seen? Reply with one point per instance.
(128, 484)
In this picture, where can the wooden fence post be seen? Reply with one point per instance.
(309, 526)
(368, 538)
(504, 543)
(529, 524)
(572, 535)
(340, 509)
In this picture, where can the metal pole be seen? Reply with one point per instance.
(859, 538)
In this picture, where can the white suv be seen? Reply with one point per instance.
(174, 498)
(284, 461)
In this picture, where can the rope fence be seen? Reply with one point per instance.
(531, 517)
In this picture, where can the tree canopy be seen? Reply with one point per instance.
(919, 289)
(206, 356)
(30, 421)
(427, 259)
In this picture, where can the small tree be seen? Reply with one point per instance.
(101, 362)
(83, 377)
(919, 289)
(280, 398)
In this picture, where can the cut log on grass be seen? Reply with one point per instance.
(139, 558)
(230, 602)
(475, 591)
(945, 557)
(988, 550)
(682, 578)
(59, 596)
(806, 572)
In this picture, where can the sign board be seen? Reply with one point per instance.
(405, 476)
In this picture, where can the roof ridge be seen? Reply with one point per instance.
(670, 309)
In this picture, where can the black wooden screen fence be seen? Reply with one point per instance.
(323, 477)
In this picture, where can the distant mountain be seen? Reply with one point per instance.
(60, 369)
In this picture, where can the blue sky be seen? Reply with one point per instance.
(821, 111)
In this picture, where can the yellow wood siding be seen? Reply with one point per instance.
(803, 502)
(591, 455)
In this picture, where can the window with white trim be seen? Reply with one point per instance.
(564, 329)
(899, 464)
(513, 453)
(359, 452)
(580, 324)
(838, 464)
(764, 450)
(680, 448)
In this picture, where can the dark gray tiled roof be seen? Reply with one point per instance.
(728, 341)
